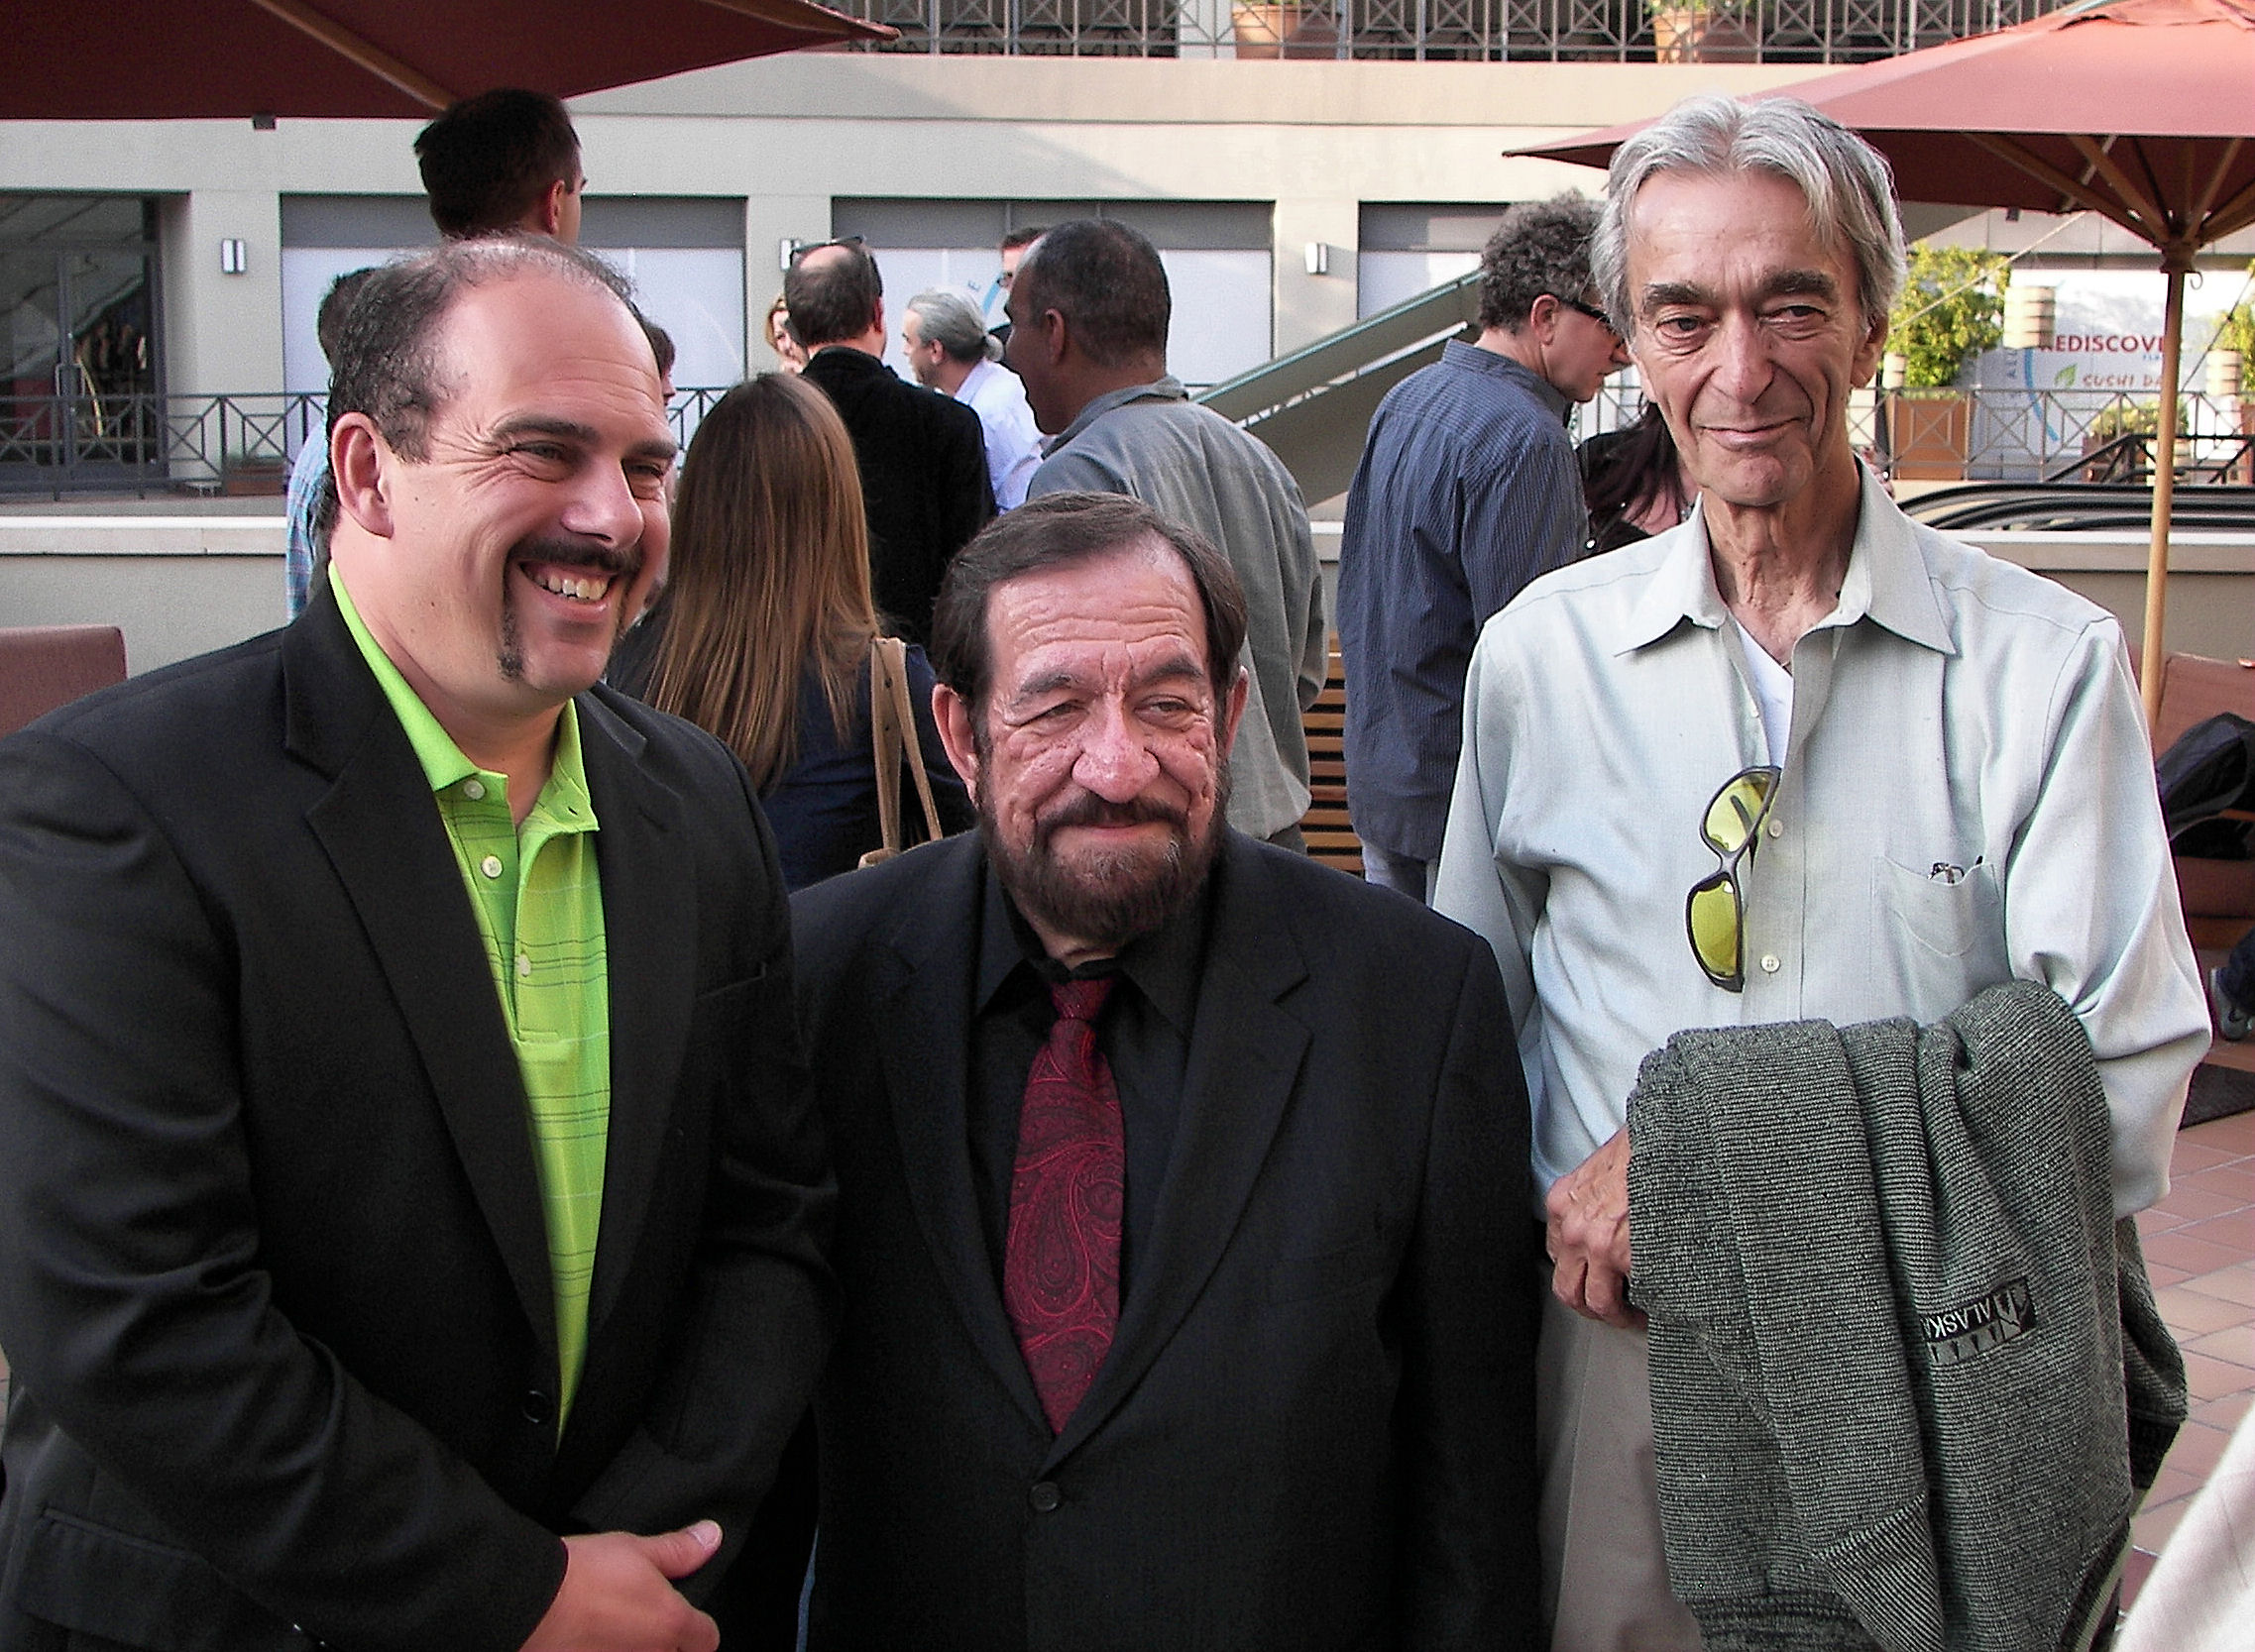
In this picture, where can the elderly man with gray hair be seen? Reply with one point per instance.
(1941, 761)
(950, 350)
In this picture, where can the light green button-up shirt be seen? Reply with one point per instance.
(1967, 797)
(540, 907)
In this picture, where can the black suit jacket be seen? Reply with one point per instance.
(924, 485)
(1315, 1428)
(274, 1274)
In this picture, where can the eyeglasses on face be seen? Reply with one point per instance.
(1713, 913)
(1592, 311)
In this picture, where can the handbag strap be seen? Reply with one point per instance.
(886, 658)
(904, 728)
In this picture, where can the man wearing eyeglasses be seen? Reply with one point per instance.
(1466, 490)
(1798, 758)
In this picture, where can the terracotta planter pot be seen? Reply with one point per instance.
(256, 479)
(1284, 31)
(1699, 35)
(1930, 435)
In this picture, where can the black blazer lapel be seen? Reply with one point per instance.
(923, 1013)
(649, 939)
(381, 831)
(1245, 1059)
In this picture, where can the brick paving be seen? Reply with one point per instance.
(2200, 1247)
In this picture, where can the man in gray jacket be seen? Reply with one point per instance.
(1089, 315)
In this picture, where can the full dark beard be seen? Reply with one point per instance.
(509, 654)
(1107, 900)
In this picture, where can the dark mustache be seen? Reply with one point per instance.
(1090, 810)
(575, 553)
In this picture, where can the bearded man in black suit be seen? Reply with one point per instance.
(410, 1212)
(1183, 1195)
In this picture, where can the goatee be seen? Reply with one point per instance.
(620, 566)
(1107, 898)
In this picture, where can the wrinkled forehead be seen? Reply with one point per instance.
(1132, 603)
(1753, 185)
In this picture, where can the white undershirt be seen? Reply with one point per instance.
(1772, 691)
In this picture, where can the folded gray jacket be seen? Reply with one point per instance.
(1893, 1399)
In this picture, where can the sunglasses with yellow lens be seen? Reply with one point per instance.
(1713, 913)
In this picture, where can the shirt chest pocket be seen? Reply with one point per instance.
(1940, 931)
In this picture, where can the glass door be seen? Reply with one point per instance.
(110, 379)
(78, 373)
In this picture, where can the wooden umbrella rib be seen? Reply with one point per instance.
(2233, 216)
(804, 19)
(2071, 190)
(350, 47)
(2196, 225)
(2139, 201)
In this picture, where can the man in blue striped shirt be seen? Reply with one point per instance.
(1467, 489)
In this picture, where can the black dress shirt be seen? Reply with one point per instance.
(1143, 1031)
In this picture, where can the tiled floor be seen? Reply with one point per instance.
(2200, 1247)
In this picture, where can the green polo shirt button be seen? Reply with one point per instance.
(491, 866)
(473, 790)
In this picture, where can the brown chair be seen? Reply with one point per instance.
(2218, 895)
(46, 665)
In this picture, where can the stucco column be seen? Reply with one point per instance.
(768, 222)
(1312, 306)
(222, 332)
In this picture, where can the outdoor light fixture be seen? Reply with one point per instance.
(2031, 316)
(234, 256)
(1318, 259)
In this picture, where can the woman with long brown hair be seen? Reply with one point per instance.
(763, 636)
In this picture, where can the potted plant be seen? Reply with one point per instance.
(2126, 417)
(1950, 310)
(1267, 29)
(1703, 30)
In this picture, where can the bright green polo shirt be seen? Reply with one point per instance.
(540, 907)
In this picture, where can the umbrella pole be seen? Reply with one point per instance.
(2175, 260)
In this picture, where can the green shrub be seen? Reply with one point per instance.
(2238, 330)
(2143, 418)
(1952, 308)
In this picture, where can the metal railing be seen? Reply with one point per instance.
(201, 443)
(233, 443)
(2020, 435)
(1319, 400)
(1478, 31)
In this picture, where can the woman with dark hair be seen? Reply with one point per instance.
(764, 633)
(1633, 482)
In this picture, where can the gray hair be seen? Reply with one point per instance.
(1847, 184)
(950, 321)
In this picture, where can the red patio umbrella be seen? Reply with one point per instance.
(173, 60)
(2141, 110)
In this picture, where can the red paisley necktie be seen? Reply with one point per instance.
(1061, 1259)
